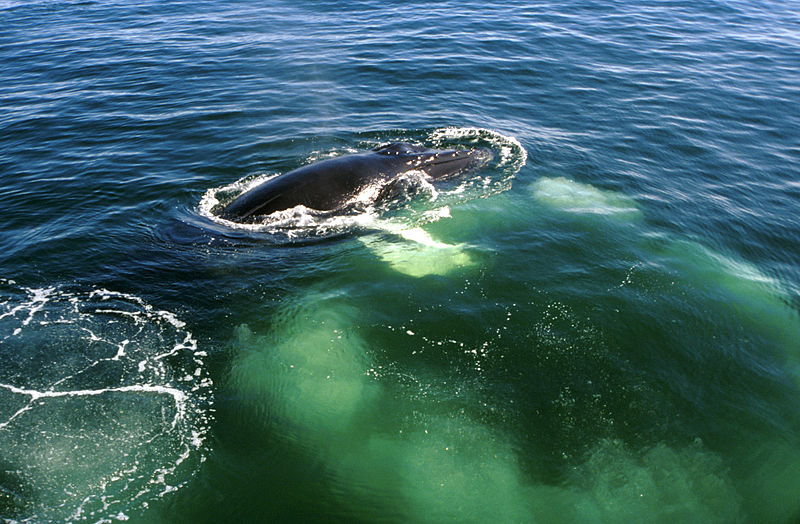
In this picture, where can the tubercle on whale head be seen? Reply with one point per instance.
(400, 148)
(446, 164)
(437, 163)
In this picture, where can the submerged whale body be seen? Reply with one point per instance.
(330, 184)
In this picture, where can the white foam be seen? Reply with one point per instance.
(509, 148)
(178, 396)
(37, 299)
(210, 199)
(80, 458)
(293, 223)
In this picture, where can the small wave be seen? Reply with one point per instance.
(105, 403)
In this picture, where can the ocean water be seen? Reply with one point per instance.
(600, 326)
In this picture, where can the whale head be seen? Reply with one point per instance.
(436, 163)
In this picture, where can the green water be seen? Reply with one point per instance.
(599, 326)
(470, 392)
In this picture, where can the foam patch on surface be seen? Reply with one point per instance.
(105, 404)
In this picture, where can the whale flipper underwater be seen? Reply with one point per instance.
(330, 184)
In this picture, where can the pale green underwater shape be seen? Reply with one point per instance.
(414, 252)
(418, 254)
(316, 374)
(574, 197)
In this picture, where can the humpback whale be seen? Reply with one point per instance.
(330, 184)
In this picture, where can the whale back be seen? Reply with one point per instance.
(330, 184)
(323, 186)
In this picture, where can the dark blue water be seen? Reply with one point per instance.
(600, 326)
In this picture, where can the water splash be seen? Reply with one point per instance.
(392, 229)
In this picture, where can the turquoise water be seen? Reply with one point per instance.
(600, 326)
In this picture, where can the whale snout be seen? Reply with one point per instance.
(445, 164)
(482, 156)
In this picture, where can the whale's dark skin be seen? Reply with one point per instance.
(329, 184)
